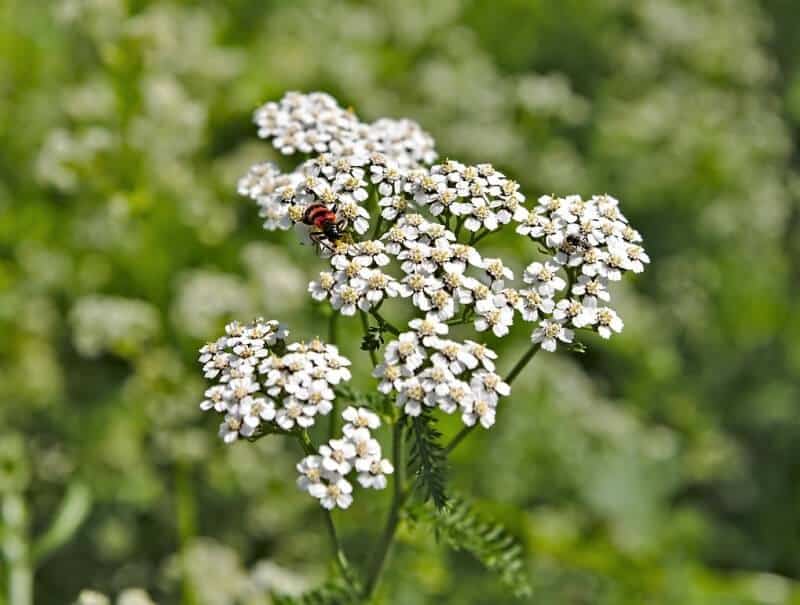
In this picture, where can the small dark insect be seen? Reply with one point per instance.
(328, 229)
(576, 242)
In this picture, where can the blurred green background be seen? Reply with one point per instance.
(661, 467)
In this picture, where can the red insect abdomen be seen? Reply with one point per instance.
(318, 215)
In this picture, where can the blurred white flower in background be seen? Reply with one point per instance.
(112, 324)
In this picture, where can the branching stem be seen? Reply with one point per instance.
(385, 324)
(399, 498)
(365, 325)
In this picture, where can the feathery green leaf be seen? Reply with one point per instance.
(461, 527)
(427, 461)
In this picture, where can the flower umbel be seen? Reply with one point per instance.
(390, 224)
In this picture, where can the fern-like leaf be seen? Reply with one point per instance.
(461, 527)
(427, 461)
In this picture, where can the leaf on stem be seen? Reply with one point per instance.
(335, 591)
(372, 340)
(461, 527)
(427, 461)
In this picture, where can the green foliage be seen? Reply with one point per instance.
(461, 527)
(372, 340)
(335, 591)
(427, 459)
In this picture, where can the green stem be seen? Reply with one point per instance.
(459, 223)
(389, 327)
(338, 550)
(387, 537)
(365, 326)
(520, 365)
(378, 225)
(533, 350)
(186, 515)
(16, 549)
(481, 236)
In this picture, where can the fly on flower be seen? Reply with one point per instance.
(327, 228)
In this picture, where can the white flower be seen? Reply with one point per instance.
(306, 123)
(574, 312)
(293, 413)
(411, 397)
(428, 329)
(531, 303)
(336, 493)
(391, 375)
(591, 286)
(370, 252)
(489, 382)
(393, 205)
(459, 286)
(455, 356)
(417, 286)
(255, 409)
(436, 382)
(355, 215)
(336, 367)
(337, 456)
(478, 214)
(592, 262)
(438, 303)
(367, 449)
(497, 271)
(493, 313)
(376, 285)
(240, 388)
(375, 476)
(606, 319)
(549, 332)
(463, 256)
(311, 472)
(259, 180)
(215, 398)
(321, 288)
(357, 418)
(403, 140)
(544, 277)
(458, 394)
(482, 353)
(637, 258)
(319, 395)
(399, 236)
(232, 425)
(406, 351)
(482, 408)
(416, 258)
(345, 298)
(616, 261)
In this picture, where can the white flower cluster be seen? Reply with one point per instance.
(348, 152)
(425, 369)
(422, 247)
(264, 383)
(323, 475)
(357, 280)
(593, 244)
(479, 197)
(315, 123)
